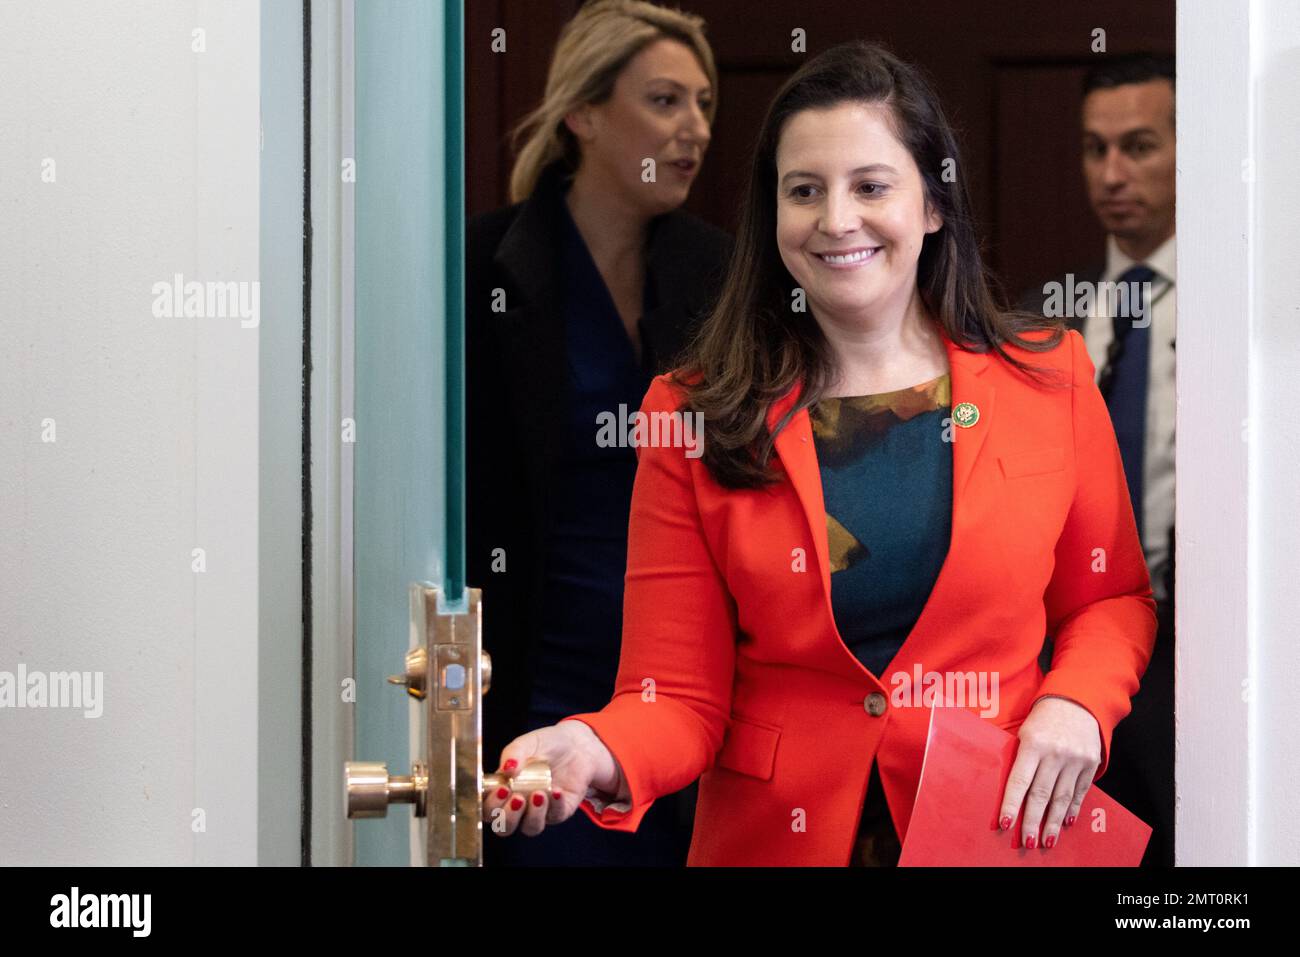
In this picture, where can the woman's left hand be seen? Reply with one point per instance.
(1059, 752)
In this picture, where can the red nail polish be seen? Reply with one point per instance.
(1031, 841)
(1051, 841)
(1069, 821)
(556, 795)
(509, 765)
(1005, 822)
(538, 799)
(516, 803)
(503, 793)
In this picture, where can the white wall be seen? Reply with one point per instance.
(156, 158)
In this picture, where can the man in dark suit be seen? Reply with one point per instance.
(1123, 306)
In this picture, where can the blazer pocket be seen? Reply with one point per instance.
(1033, 462)
(749, 748)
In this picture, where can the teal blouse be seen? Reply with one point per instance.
(886, 470)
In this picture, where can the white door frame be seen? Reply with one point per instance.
(332, 319)
(1237, 611)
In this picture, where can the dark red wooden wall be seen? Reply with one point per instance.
(1008, 73)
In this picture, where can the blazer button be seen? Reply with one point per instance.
(875, 704)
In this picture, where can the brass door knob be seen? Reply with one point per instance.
(535, 775)
(368, 789)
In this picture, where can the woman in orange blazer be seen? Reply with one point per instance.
(856, 275)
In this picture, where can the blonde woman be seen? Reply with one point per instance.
(578, 294)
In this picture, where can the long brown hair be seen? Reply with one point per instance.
(592, 51)
(754, 348)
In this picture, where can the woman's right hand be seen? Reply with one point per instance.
(579, 761)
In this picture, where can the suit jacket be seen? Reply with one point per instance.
(732, 666)
(517, 394)
(1033, 301)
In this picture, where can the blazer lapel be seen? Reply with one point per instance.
(798, 456)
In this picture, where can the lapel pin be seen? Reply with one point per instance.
(966, 414)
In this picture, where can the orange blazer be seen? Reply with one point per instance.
(732, 669)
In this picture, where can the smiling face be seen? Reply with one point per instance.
(1128, 161)
(658, 110)
(851, 213)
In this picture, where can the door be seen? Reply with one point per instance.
(408, 519)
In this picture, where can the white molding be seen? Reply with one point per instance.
(278, 757)
(1213, 665)
(331, 471)
(1274, 600)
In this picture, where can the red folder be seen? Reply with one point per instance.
(954, 823)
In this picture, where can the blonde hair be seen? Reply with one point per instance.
(592, 51)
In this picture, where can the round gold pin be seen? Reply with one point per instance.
(966, 414)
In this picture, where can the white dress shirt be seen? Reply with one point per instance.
(1158, 461)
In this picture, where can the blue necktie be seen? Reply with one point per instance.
(1125, 383)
